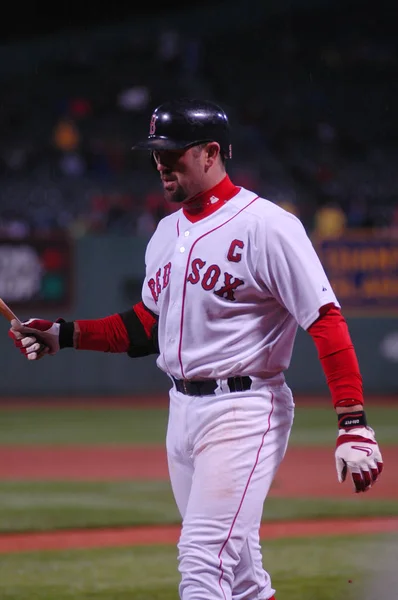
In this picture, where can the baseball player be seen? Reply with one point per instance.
(229, 278)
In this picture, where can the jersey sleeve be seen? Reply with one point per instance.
(292, 270)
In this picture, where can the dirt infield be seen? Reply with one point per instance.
(304, 472)
(147, 536)
(156, 401)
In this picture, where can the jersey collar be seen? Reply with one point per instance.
(208, 202)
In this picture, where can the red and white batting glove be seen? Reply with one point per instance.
(357, 451)
(36, 337)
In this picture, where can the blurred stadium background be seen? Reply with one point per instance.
(311, 90)
(312, 96)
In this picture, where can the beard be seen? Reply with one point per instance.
(176, 195)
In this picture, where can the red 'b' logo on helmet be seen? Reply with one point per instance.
(152, 125)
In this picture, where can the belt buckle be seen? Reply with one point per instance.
(184, 385)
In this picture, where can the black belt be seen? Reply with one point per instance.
(207, 387)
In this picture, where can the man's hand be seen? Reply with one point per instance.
(35, 338)
(358, 454)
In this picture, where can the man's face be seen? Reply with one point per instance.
(183, 172)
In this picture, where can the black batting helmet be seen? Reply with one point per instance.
(183, 123)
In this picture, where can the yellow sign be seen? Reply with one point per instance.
(363, 271)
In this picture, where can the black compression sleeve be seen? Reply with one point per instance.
(140, 344)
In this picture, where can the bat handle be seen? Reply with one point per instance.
(6, 311)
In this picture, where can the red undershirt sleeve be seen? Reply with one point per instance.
(104, 335)
(338, 358)
(133, 332)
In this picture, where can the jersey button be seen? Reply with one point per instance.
(182, 249)
(186, 233)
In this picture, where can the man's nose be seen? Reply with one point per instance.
(161, 166)
(156, 159)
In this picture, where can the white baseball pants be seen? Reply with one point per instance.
(223, 453)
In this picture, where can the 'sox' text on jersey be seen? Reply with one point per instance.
(210, 276)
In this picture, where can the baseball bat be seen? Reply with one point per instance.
(6, 311)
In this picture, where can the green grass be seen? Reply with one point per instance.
(40, 506)
(301, 569)
(87, 427)
(57, 505)
(58, 426)
(317, 425)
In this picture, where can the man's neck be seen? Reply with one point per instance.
(207, 202)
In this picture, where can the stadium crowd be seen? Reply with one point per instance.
(312, 111)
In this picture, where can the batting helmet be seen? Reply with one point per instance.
(183, 123)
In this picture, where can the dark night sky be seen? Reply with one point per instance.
(28, 19)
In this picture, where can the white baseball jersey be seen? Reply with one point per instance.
(231, 289)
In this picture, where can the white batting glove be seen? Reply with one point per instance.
(35, 338)
(357, 453)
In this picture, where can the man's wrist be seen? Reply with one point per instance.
(347, 409)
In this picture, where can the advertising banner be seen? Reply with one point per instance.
(36, 273)
(363, 270)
